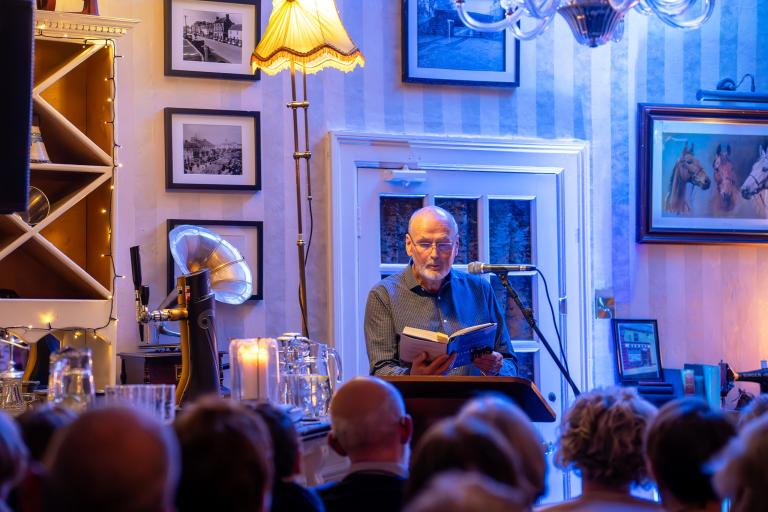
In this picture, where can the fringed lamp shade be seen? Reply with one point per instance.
(308, 33)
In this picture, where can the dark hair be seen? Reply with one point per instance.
(680, 441)
(225, 457)
(38, 426)
(462, 444)
(285, 439)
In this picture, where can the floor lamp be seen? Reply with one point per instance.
(308, 36)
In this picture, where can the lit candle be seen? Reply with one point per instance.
(255, 365)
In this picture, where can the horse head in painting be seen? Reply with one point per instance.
(687, 170)
(757, 181)
(726, 195)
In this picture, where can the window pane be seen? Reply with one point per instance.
(395, 212)
(526, 365)
(510, 230)
(465, 212)
(516, 325)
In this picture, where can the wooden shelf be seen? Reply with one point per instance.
(63, 256)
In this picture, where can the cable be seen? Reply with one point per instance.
(554, 321)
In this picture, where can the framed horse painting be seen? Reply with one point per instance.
(702, 174)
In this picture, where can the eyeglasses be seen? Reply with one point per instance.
(442, 247)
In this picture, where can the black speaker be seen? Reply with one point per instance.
(17, 38)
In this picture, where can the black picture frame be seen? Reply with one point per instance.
(726, 144)
(642, 332)
(176, 64)
(429, 71)
(256, 226)
(176, 175)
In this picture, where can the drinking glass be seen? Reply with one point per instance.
(71, 379)
(157, 400)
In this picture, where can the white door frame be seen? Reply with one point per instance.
(568, 158)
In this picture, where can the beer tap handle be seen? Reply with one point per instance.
(136, 267)
(145, 295)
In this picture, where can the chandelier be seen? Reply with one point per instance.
(593, 22)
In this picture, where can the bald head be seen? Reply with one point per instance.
(105, 455)
(368, 414)
(430, 215)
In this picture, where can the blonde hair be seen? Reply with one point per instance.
(511, 422)
(602, 436)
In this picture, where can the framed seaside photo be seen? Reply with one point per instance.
(211, 38)
(245, 235)
(638, 355)
(439, 49)
(702, 174)
(212, 149)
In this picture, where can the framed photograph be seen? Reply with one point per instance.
(439, 49)
(212, 149)
(245, 235)
(211, 38)
(638, 356)
(702, 174)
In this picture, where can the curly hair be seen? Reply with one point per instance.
(601, 436)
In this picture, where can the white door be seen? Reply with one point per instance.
(513, 202)
(503, 217)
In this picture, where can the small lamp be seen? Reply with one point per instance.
(308, 35)
(255, 369)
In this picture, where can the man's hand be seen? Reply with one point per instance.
(439, 366)
(489, 364)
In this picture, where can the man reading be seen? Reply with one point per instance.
(430, 295)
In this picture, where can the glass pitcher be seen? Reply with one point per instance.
(70, 382)
(292, 347)
(328, 363)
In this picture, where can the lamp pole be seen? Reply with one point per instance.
(305, 155)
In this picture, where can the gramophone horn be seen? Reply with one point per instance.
(194, 248)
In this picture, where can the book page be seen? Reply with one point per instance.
(471, 328)
(424, 334)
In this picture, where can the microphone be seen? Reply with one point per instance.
(478, 267)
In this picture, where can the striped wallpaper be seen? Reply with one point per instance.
(710, 300)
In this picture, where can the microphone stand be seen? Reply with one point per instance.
(532, 322)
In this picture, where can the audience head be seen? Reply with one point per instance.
(680, 441)
(13, 455)
(225, 457)
(602, 437)
(517, 429)
(105, 455)
(462, 444)
(286, 450)
(457, 491)
(368, 421)
(39, 425)
(756, 408)
(742, 475)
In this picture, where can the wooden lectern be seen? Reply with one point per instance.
(429, 399)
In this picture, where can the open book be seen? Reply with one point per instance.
(468, 343)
